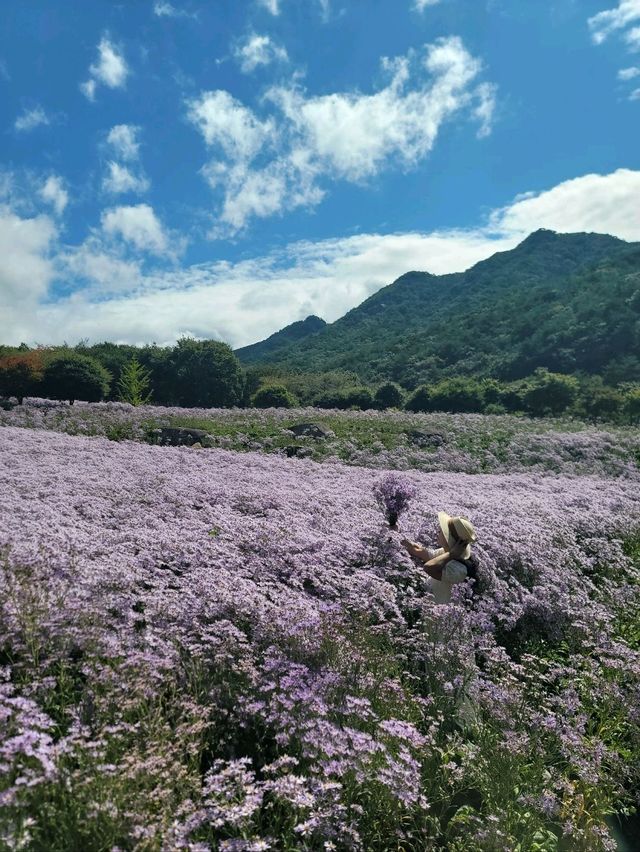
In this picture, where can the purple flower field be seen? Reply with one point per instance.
(465, 443)
(206, 649)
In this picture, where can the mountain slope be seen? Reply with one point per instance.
(554, 301)
(276, 343)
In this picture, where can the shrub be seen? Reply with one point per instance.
(21, 374)
(388, 395)
(274, 396)
(420, 399)
(75, 377)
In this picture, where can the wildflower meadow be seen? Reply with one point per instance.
(215, 649)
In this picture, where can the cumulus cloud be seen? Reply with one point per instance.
(138, 225)
(120, 179)
(26, 270)
(31, 119)
(258, 50)
(227, 124)
(632, 38)
(110, 69)
(625, 74)
(272, 6)
(601, 203)
(54, 193)
(349, 136)
(609, 21)
(246, 301)
(123, 139)
(421, 5)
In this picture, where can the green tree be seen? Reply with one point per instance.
(420, 399)
(205, 374)
(274, 396)
(632, 405)
(388, 395)
(134, 383)
(549, 393)
(73, 376)
(457, 395)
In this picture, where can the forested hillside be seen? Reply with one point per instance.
(567, 302)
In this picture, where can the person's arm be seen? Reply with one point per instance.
(433, 565)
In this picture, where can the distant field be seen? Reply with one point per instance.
(472, 443)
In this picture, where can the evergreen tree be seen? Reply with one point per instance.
(134, 383)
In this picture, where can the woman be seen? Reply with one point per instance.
(452, 562)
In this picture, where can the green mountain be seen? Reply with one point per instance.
(568, 302)
(275, 345)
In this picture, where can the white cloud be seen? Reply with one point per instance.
(121, 179)
(635, 95)
(246, 301)
(137, 225)
(601, 203)
(421, 5)
(30, 119)
(227, 123)
(626, 74)
(103, 272)
(88, 89)
(165, 10)
(123, 138)
(258, 50)
(611, 20)
(111, 69)
(341, 136)
(632, 38)
(26, 271)
(54, 193)
(272, 6)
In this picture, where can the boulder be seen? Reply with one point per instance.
(309, 430)
(174, 436)
(298, 452)
(425, 439)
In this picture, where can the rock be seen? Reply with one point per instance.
(298, 452)
(309, 430)
(177, 436)
(7, 404)
(196, 446)
(425, 439)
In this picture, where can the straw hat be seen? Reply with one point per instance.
(457, 530)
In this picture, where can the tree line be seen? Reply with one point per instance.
(207, 374)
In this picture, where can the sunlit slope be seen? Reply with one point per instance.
(568, 302)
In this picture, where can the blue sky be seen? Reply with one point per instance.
(220, 168)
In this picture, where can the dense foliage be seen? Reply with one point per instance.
(274, 396)
(566, 302)
(71, 376)
(217, 651)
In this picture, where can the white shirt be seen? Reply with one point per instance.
(453, 572)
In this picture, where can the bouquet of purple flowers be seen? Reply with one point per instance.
(393, 493)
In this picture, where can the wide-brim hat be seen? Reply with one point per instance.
(457, 530)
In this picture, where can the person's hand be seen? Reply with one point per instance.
(412, 547)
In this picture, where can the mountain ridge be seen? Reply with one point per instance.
(404, 330)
